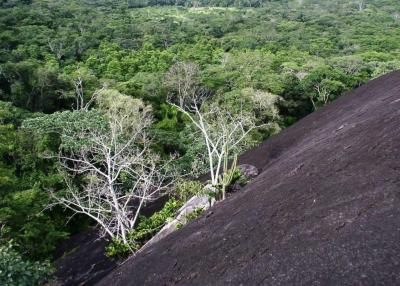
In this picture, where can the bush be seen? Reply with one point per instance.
(15, 271)
(190, 217)
(186, 189)
(144, 231)
(227, 181)
(119, 250)
(239, 178)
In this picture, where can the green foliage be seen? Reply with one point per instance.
(185, 189)
(14, 270)
(235, 47)
(145, 230)
(24, 176)
(64, 125)
(147, 227)
(237, 176)
(34, 85)
(119, 250)
(190, 217)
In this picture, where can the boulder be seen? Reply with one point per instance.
(248, 171)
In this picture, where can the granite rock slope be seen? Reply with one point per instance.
(324, 210)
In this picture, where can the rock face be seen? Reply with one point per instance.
(81, 259)
(324, 210)
(84, 261)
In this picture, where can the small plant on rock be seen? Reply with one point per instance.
(144, 231)
(185, 189)
(190, 217)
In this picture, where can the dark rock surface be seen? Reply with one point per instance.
(81, 258)
(325, 209)
(84, 261)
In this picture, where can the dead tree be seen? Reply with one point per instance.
(221, 131)
(361, 5)
(181, 78)
(320, 97)
(120, 174)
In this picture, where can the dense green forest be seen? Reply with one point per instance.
(300, 54)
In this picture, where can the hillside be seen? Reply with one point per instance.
(323, 211)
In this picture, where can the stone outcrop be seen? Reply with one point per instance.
(324, 210)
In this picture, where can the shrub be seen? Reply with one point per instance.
(186, 189)
(148, 227)
(144, 231)
(190, 217)
(226, 182)
(239, 178)
(16, 271)
(117, 249)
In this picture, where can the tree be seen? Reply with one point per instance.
(361, 5)
(108, 152)
(325, 91)
(222, 132)
(24, 176)
(320, 97)
(181, 78)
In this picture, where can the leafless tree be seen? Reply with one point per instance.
(321, 96)
(56, 47)
(361, 5)
(79, 99)
(80, 102)
(181, 78)
(120, 173)
(222, 132)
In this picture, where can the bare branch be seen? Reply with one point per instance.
(119, 172)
